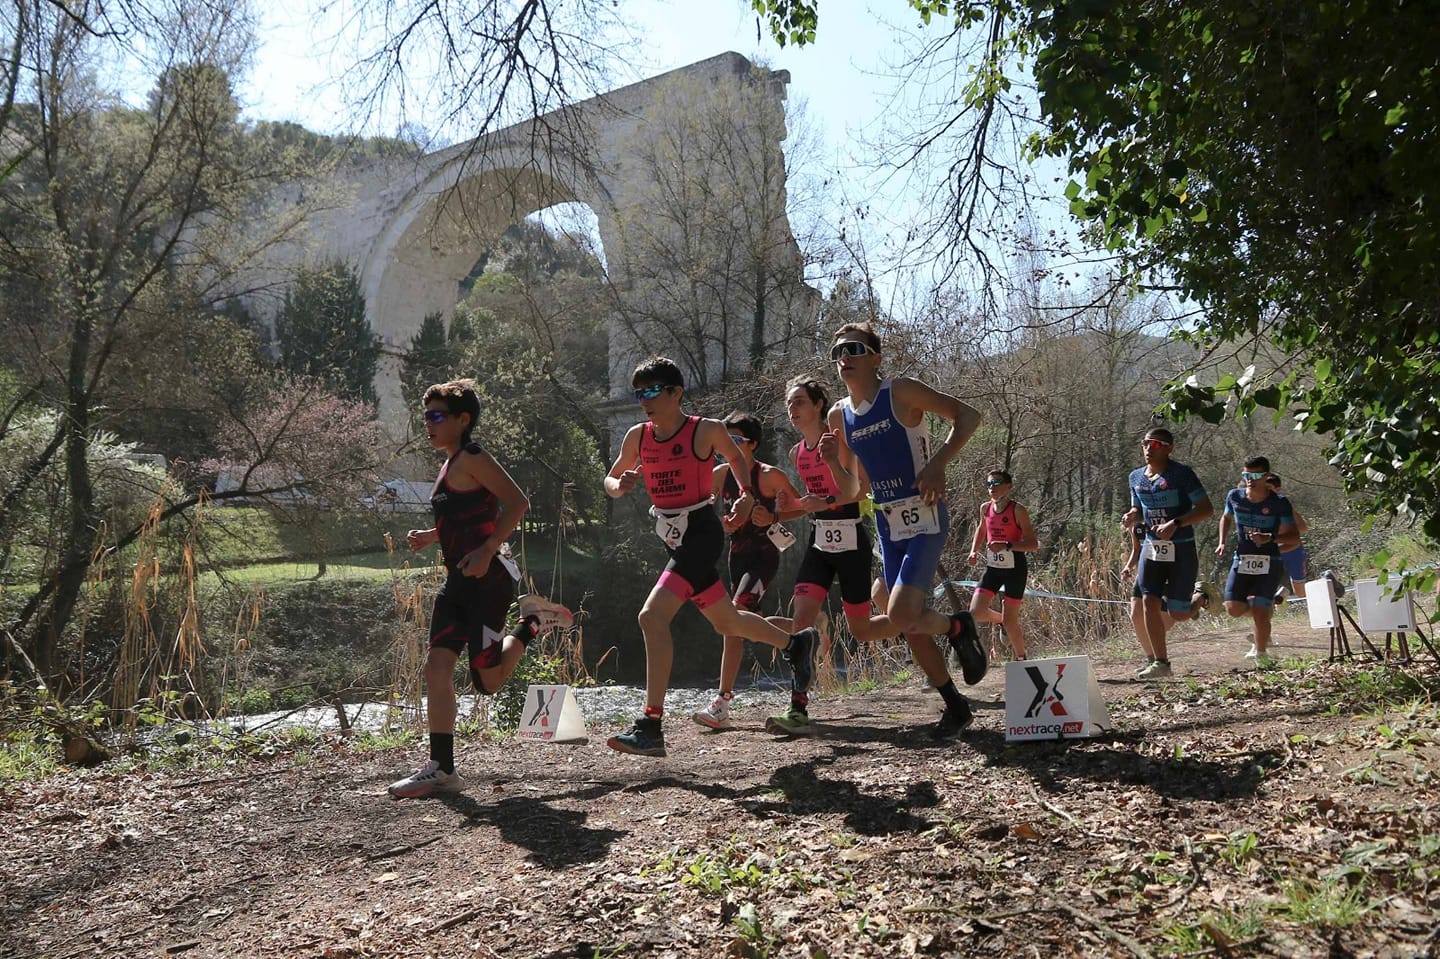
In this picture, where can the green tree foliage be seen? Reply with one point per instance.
(118, 222)
(1271, 163)
(531, 333)
(426, 362)
(322, 331)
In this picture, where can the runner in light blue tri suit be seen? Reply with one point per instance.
(882, 421)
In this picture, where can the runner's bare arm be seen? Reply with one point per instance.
(790, 509)
(844, 467)
(1224, 534)
(913, 399)
(1287, 536)
(1028, 542)
(715, 436)
(774, 484)
(484, 470)
(1301, 526)
(975, 541)
(625, 472)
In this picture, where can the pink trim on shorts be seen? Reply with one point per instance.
(1017, 600)
(811, 591)
(673, 582)
(709, 596)
(979, 591)
(856, 610)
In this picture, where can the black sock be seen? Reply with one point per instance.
(525, 630)
(952, 696)
(442, 750)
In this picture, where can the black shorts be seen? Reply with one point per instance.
(752, 570)
(819, 569)
(470, 611)
(697, 559)
(1010, 581)
(1257, 589)
(1173, 582)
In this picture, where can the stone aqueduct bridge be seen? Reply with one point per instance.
(416, 228)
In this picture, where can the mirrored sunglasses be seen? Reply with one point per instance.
(1157, 444)
(650, 392)
(436, 416)
(1245, 475)
(850, 348)
(993, 483)
(738, 439)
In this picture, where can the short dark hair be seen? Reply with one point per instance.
(866, 331)
(1004, 475)
(746, 424)
(1160, 433)
(813, 388)
(657, 371)
(1274, 480)
(1258, 464)
(459, 397)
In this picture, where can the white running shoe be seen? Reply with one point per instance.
(716, 715)
(1252, 654)
(426, 781)
(1159, 669)
(550, 614)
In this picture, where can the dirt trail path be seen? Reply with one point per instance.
(1233, 813)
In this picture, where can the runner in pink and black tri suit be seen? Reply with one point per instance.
(673, 454)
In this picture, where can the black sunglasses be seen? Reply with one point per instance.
(437, 416)
(851, 348)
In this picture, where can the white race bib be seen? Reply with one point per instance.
(671, 527)
(1000, 559)
(1254, 564)
(511, 567)
(908, 518)
(837, 535)
(780, 536)
(1160, 551)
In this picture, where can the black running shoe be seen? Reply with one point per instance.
(645, 738)
(952, 723)
(969, 653)
(801, 657)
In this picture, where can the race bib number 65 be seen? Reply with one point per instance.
(911, 517)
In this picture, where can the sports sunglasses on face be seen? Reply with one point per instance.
(1161, 444)
(1245, 475)
(738, 439)
(650, 392)
(436, 416)
(850, 348)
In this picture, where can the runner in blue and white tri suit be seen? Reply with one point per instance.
(882, 421)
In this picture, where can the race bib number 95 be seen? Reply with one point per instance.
(1159, 551)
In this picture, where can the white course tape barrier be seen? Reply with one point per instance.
(971, 584)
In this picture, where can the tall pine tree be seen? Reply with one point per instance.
(322, 331)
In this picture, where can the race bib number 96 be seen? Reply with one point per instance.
(1000, 559)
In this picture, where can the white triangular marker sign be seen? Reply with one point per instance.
(551, 714)
(1053, 699)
